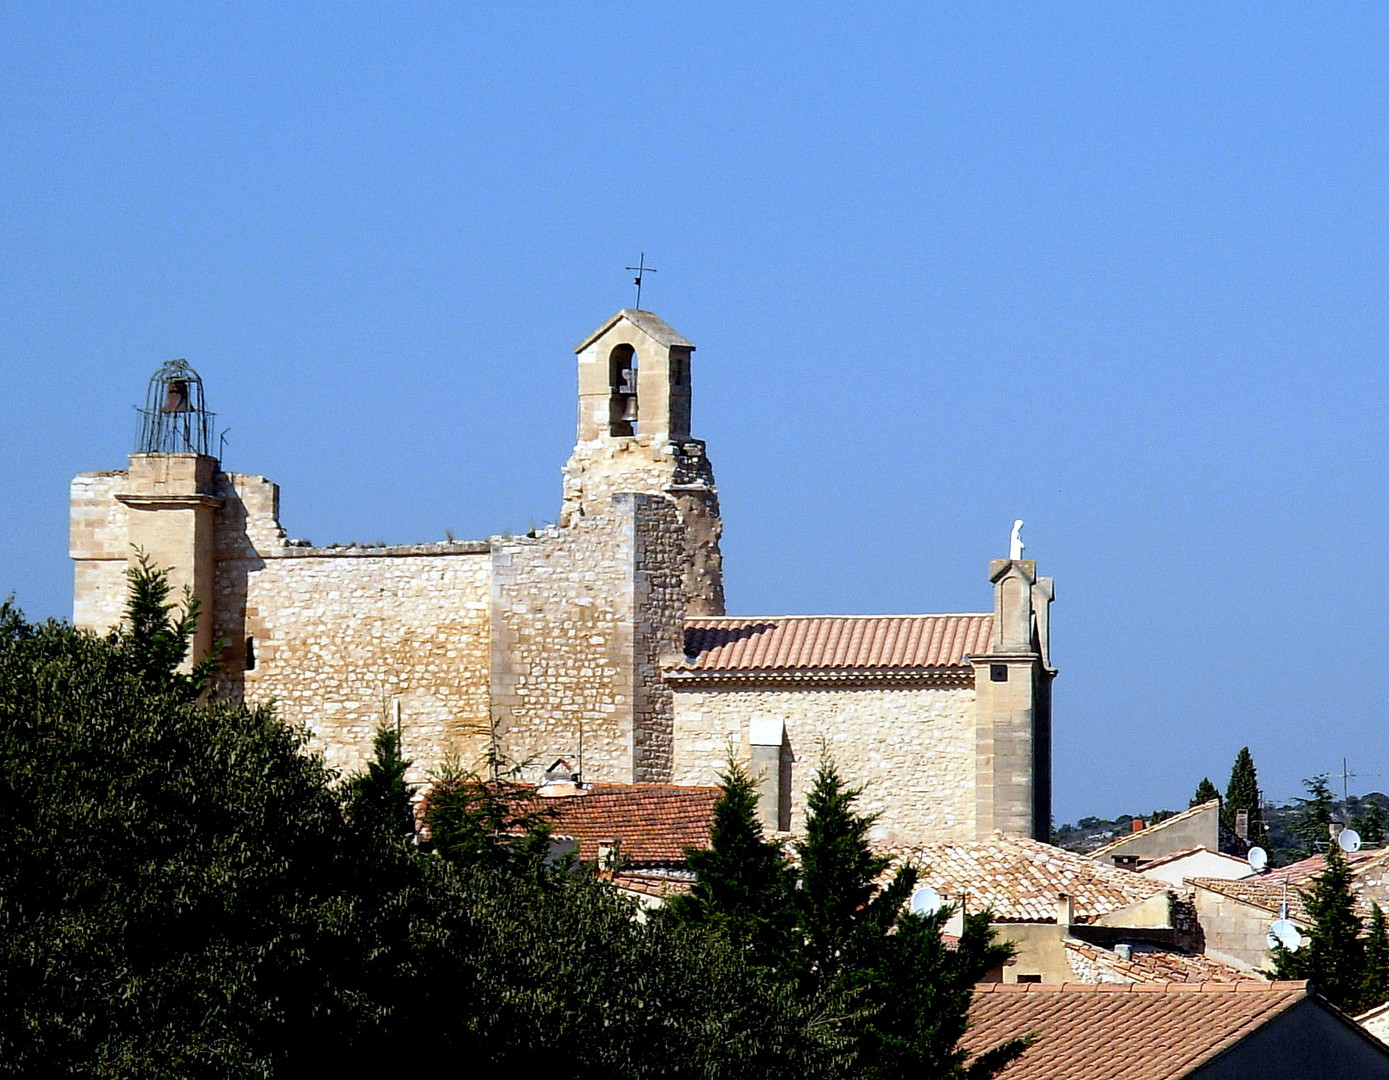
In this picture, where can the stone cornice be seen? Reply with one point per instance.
(170, 502)
(840, 677)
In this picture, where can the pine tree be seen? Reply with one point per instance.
(743, 882)
(1333, 955)
(157, 636)
(490, 823)
(1374, 987)
(1370, 823)
(1242, 793)
(1313, 824)
(380, 797)
(1205, 792)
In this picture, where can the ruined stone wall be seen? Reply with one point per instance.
(579, 616)
(912, 748)
(598, 470)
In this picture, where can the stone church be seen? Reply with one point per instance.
(601, 640)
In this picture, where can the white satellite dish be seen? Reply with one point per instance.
(1258, 860)
(1284, 933)
(926, 901)
(1349, 840)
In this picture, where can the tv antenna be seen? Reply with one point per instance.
(642, 270)
(1349, 841)
(1258, 860)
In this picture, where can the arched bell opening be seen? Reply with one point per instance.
(622, 391)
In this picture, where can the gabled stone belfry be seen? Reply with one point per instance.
(600, 639)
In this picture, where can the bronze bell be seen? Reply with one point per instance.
(176, 397)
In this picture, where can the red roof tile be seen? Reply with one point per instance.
(1268, 890)
(1142, 1031)
(652, 823)
(834, 643)
(1147, 964)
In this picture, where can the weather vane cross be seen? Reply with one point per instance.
(642, 270)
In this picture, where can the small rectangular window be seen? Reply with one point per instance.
(998, 672)
(1029, 978)
(250, 654)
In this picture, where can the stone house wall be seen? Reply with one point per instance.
(911, 747)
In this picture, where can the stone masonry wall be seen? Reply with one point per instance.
(99, 545)
(561, 610)
(912, 748)
(581, 617)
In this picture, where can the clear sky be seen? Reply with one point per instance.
(1116, 269)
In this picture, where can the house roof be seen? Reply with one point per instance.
(652, 823)
(1149, 964)
(1268, 890)
(1175, 819)
(1019, 879)
(810, 645)
(649, 323)
(1135, 1031)
(1177, 856)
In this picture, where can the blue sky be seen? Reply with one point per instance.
(1119, 270)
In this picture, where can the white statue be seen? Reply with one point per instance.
(1015, 544)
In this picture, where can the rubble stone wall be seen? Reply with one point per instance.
(911, 747)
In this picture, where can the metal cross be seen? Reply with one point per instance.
(642, 269)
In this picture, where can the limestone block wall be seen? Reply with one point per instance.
(99, 545)
(911, 747)
(1235, 933)
(581, 617)
(338, 638)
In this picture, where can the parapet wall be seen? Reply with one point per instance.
(910, 747)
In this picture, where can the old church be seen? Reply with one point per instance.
(601, 639)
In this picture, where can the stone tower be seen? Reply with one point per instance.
(163, 507)
(634, 436)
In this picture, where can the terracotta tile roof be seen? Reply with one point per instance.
(651, 885)
(1175, 819)
(827, 644)
(653, 823)
(1020, 879)
(1268, 890)
(1142, 1031)
(1149, 964)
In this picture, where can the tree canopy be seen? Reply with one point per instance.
(187, 891)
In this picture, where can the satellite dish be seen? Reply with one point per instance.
(926, 901)
(1258, 860)
(1286, 934)
(1349, 840)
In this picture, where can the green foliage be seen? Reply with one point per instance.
(379, 798)
(493, 822)
(832, 933)
(1205, 792)
(1333, 956)
(744, 886)
(1370, 824)
(1242, 793)
(1313, 824)
(1374, 982)
(157, 635)
(183, 892)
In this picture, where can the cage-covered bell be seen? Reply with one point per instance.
(175, 419)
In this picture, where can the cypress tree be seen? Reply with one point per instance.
(743, 882)
(1333, 955)
(1374, 989)
(1370, 824)
(1313, 822)
(1205, 792)
(380, 796)
(1242, 793)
